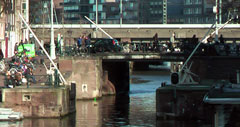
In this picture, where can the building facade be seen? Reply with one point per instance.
(198, 12)
(108, 11)
(131, 11)
(74, 11)
(40, 11)
(12, 29)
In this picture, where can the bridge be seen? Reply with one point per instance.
(220, 66)
(134, 31)
(136, 56)
(117, 64)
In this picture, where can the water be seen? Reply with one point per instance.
(136, 110)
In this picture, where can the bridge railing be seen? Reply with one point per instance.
(184, 47)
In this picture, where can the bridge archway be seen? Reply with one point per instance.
(118, 74)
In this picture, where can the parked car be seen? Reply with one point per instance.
(106, 45)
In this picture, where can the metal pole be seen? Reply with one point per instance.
(55, 66)
(98, 27)
(96, 11)
(121, 15)
(52, 51)
(220, 11)
(27, 19)
(216, 26)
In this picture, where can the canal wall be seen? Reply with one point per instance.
(40, 101)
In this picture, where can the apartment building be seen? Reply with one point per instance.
(132, 11)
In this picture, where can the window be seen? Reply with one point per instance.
(198, 2)
(188, 2)
(135, 13)
(124, 14)
(94, 7)
(103, 15)
(23, 5)
(71, 8)
(198, 10)
(100, 7)
(113, 9)
(131, 5)
(91, 15)
(91, 1)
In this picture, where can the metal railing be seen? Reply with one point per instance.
(180, 47)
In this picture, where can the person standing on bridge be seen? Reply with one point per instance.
(79, 42)
(221, 39)
(155, 42)
(83, 41)
(172, 42)
(194, 39)
(172, 38)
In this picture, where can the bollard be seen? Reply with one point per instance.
(56, 80)
(50, 79)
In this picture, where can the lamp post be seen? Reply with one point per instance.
(220, 11)
(96, 11)
(52, 51)
(216, 23)
(27, 19)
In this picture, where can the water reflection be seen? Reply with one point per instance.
(66, 121)
(11, 124)
(91, 113)
(107, 111)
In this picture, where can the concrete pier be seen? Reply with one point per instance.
(40, 101)
(88, 74)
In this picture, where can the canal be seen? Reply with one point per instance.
(138, 109)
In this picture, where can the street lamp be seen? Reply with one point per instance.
(96, 12)
(216, 10)
(121, 16)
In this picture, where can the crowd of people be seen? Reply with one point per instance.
(83, 41)
(20, 67)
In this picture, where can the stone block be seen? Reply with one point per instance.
(40, 102)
